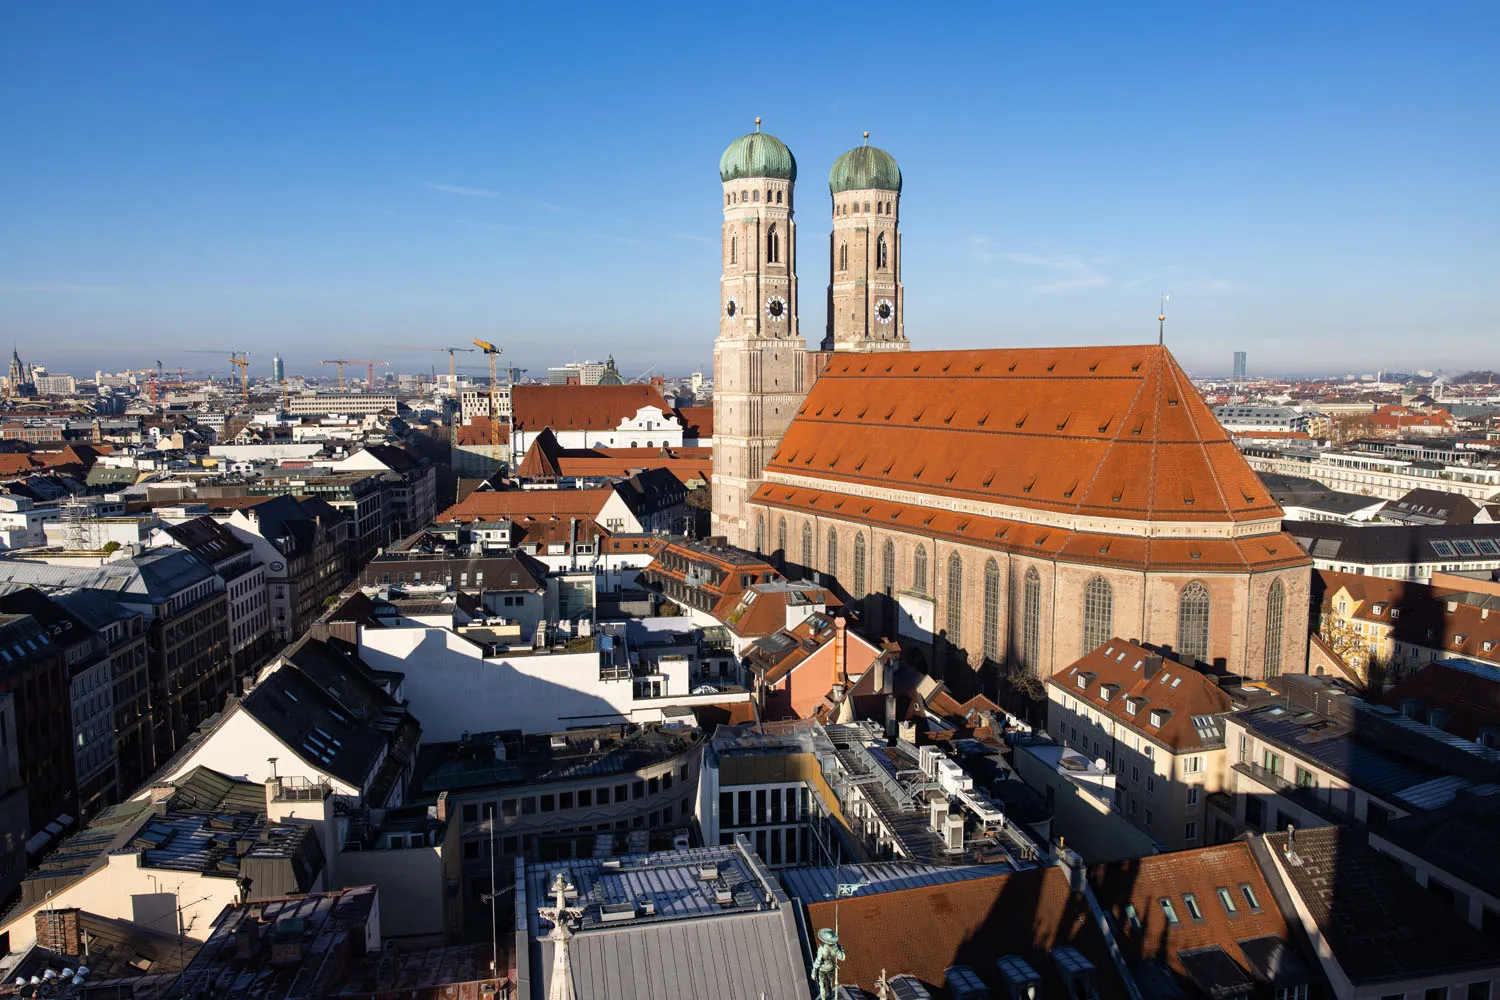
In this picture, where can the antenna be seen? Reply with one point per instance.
(1161, 320)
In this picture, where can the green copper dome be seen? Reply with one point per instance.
(864, 167)
(758, 154)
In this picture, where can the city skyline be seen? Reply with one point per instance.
(211, 177)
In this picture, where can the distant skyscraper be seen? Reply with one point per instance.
(1239, 366)
(278, 369)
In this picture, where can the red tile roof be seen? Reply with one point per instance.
(476, 433)
(517, 505)
(1471, 697)
(1119, 668)
(923, 931)
(581, 407)
(1102, 431)
(699, 420)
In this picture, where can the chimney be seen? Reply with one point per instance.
(841, 651)
(1153, 665)
(57, 930)
(442, 807)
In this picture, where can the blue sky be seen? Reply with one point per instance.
(1312, 183)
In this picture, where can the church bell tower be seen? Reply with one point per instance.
(866, 301)
(759, 356)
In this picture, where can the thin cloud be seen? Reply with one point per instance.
(466, 192)
(1073, 272)
(691, 238)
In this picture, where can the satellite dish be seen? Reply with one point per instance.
(1100, 764)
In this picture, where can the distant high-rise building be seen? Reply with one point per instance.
(576, 373)
(278, 369)
(1239, 366)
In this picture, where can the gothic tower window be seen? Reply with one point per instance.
(888, 568)
(859, 565)
(1098, 614)
(773, 246)
(778, 197)
(843, 256)
(781, 537)
(833, 552)
(881, 258)
(760, 529)
(992, 610)
(1192, 622)
(919, 570)
(755, 196)
(1031, 621)
(734, 249)
(1275, 608)
(807, 544)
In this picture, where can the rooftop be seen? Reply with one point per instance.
(1171, 704)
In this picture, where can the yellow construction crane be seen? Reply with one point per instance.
(492, 355)
(241, 360)
(452, 371)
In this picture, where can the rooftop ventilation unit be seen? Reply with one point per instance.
(964, 984)
(615, 913)
(1021, 981)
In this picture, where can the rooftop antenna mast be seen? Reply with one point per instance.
(1161, 320)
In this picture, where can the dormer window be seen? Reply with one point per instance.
(1159, 717)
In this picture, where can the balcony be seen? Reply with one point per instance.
(1308, 797)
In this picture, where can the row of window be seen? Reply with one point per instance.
(513, 843)
(850, 208)
(882, 254)
(582, 798)
(1194, 606)
(741, 197)
(1230, 898)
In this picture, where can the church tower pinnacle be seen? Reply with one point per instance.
(759, 356)
(866, 301)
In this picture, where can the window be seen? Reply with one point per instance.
(1192, 796)
(1296, 992)
(882, 256)
(760, 533)
(1098, 614)
(843, 256)
(1191, 902)
(1192, 622)
(773, 245)
(919, 570)
(1436, 993)
(1275, 603)
(807, 546)
(833, 553)
(859, 565)
(1227, 898)
(471, 812)
(1132, 917)
(1190, 832)
(1250, 897)
(1304, 778)
(955, 599)
(1169, 910)
(1031, 621)
(1150, 783)
(781, 537)
(888, 568)
(1272, 762)
(734, 249)
(992, 610)
(1193, 764)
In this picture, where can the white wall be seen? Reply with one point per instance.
(240, 748)
(262, 452)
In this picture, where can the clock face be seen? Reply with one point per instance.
(730, 308)
(884, 311)
(776, 307)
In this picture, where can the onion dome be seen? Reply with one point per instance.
(864, 167)
(758, 154)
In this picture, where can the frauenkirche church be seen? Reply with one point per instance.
(1010, 507)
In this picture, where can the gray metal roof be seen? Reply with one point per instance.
(812, 885)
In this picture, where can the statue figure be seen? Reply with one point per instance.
(825, 970)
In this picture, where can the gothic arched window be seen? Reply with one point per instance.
(881, 257)
(760, 533)
(992, 610)
(1192, 622)
(888, 568)
(843, 256)
(755, 196)
(734, 249)
(955, 598)
(833, 552)
(1275, 608)
(1098, 614)
(919, 570)
(773, 246)
(1031, 621)
(859, 565)
(781, 537)
(778, 197)
(807, 544)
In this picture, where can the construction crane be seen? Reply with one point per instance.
(369, 369)
(452, 373)
(241, 360)
(492, 355)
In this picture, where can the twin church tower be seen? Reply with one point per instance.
(762, 367)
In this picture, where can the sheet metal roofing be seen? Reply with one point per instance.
(1115, 432)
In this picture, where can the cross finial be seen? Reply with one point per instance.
(1161, 320)
(867, 138)
(757, 123)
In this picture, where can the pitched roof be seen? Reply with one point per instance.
(1114, 432)
(1427, 506)
(476, 433)
(1380, 925)
(1468, 692)
(517, 505)
(1418, 614)
(1175, 706)
(581, 407)
(541, 459)
(971, 922)
(1135, 889)
(698, 421)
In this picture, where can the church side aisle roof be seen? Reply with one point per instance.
(1117, 432)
